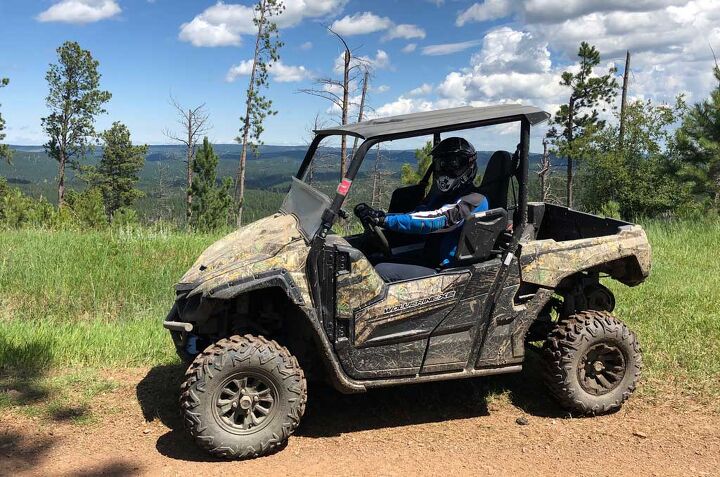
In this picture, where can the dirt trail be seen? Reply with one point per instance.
(450, 429)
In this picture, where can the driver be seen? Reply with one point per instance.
(452, 198)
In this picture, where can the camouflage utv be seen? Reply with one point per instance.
(285, 296)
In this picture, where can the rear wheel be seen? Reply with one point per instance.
(592, 362)
(243, 397)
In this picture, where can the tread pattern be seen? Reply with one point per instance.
(236, 351)
(561, 350)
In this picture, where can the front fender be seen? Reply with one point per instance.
(272, 278)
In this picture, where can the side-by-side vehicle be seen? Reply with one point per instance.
(286, 296)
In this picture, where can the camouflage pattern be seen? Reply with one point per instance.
(409, 299)
(272, 243)
(547, 262)
(358, 287)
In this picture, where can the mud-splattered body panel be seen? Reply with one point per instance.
(625, 256)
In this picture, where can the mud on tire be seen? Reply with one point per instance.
(243, 397)
(592, 362)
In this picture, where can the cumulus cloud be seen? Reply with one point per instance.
(223, 24)
(670, 39)
(485, 11)
(360, 24)
(506, 50)
(554, 11)
(367, 22)
(402, 105)
(279, 71)
(421, 90)
(80, 11)
(449, 48)
(380, 61)
(405, 31)
(510, 66)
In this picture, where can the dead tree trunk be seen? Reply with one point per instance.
(194, 124)
(376, 170)
(345, 107)
(361, 111)
(544, 173)
(569, 187)
(623, 101)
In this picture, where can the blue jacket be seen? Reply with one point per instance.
(447, 220)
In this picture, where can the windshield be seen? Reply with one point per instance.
(307, 204)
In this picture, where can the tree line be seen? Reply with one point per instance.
(653, 160)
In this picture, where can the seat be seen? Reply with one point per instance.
(496, 180)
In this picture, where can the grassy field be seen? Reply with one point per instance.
(96, 299)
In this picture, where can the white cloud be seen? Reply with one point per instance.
(485, 11)
(422, 90)
(449, 48)
(381, 61)
(219, 25)
(223, 24)
(506, 50)
(80, 11)
(383, 88)
(409, 48)
(367, 22)
(403, 105)
(288, 74)
(306, 46)
(360, 24)
(279, 71)
(553, 11)
(405, 31)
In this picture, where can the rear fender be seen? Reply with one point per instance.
(625, 256)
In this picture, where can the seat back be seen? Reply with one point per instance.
(406, 199)
(496, 180)
(480, 235)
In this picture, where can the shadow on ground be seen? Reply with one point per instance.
(20, 453)
(330, 413)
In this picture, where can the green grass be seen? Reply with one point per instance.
(91, 298)
(676, 312)
(96, 299)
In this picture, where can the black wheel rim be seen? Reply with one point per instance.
(601, 369)
(246, 403)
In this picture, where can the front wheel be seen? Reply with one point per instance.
(592, 362)
(243, 397)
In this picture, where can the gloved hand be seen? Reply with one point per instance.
(369, 216)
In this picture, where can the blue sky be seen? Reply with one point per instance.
(427, 54)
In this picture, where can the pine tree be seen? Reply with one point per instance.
(424, 159)
(117, 174)
(257, 106)
(74, 100)
(698, 145)
(579, 118)
(212, 203)
(5, 152)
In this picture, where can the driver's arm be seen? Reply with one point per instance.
(429, 221)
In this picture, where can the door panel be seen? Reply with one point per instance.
(408, 309)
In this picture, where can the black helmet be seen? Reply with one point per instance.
(454, 164)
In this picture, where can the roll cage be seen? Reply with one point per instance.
(424, 124)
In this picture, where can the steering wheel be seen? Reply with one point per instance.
(376, 234)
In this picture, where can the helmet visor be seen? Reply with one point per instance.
(449, 164)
